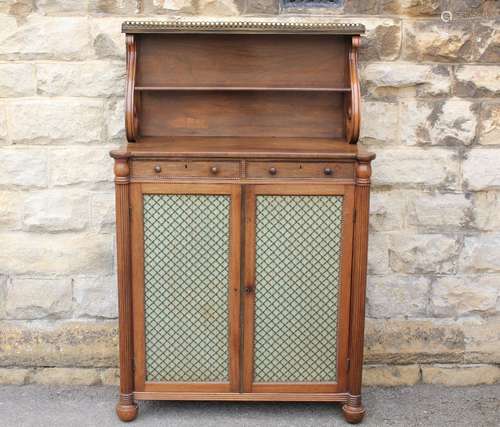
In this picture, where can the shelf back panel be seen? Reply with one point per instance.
(244, 114)
(264, 60)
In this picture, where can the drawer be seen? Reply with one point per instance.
(185, 169)
(327, 170)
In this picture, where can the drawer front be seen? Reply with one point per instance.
(185, 169)
(327, 170)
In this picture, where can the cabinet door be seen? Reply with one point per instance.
(298, 241)
(186, 275)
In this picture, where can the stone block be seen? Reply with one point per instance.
(219, 7)
(461, 375)
(378, 253)
(38, 298)
(82, 165)
(92, 79)
(486, 209)
(67, 376)
(449, 122)
(406, 166)
(488, 38)
(23, 167)
(110, 376)
(397, 296)
(477, 80)
(118, 7)
(40, 121)
(14, 376)
(382, 40)
(62, 7)
(489, 131)
(3, 294)
(453, 296)
(4, 137)
(159, 7)
(480, 253)
(482, 340)
(262, 7)
(387, 210)
(47, 38)
(61, 254)
(56, 211)
(405, 79)
(107, 40)
(391, 376)
(437, 211)
(17, 80)
(115, 124)
(103, 212)
(380, 122)
(481, 169)
(11, 211)
(361, 6)
(95, 296)
(59, 344)
(423, 253)
(437, 41)
(397, 341)
(412, 7)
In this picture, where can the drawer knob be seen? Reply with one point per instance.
(272, 171)
(157, 168)
(214, 170)
(328, 171)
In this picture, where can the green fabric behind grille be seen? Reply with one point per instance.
(298, 246)
(186, 252)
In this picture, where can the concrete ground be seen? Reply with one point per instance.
(422, 405)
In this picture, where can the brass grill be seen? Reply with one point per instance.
(298, 249)
(186, 253)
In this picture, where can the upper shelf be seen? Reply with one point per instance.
(249, 27)
(242, 79)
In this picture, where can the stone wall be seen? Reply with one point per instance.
(430, 110)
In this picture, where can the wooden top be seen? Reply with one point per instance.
(243, 147)
(262, 26)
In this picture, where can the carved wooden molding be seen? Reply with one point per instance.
(352, 104)
(242, 26)
(131, 122)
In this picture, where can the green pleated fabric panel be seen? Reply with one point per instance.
(186, 261)
(298, 247)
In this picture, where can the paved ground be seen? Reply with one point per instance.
(421, 405)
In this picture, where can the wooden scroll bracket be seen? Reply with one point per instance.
(352, 103)
(131, 121)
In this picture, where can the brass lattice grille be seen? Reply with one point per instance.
(186, 254)
(298, 245)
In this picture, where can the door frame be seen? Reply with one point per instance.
(137, 190)
(249, 279)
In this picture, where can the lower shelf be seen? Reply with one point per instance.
(248, 397)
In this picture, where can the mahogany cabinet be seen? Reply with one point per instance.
(242, 214)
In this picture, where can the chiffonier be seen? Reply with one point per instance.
(242, 214)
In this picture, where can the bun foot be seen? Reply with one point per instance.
(353, 414)
(126, 412)
(126, 408)
(353, 409)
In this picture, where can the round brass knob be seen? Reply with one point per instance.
(272, 171)
(214, 170)
(157, 168)
(328, 171)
